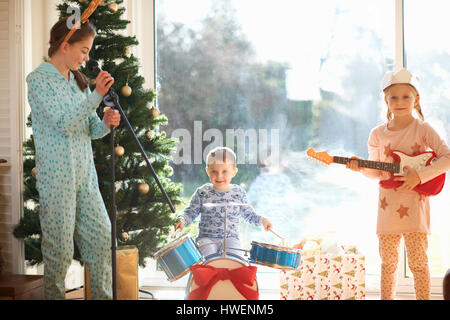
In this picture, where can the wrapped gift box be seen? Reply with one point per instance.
(325, 277)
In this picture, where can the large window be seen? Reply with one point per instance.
(428, 56)
(291, 75)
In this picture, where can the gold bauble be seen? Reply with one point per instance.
(155, 112)
(127, 53)
(125, 236)
(112, 7)
(150, 134)
(143, 188)
(33, 172)
(126, 91)
(119, 151)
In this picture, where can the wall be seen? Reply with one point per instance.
(11, 119)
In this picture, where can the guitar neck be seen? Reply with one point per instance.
(377, 165)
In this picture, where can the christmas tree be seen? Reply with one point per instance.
(143, 217)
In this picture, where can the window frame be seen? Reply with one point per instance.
(405, 284)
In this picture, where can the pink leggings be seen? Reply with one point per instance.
(416, 250)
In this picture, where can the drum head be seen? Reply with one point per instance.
(171, 245)
(229, 261)
(223, 289)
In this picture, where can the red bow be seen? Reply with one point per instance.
(206, 277)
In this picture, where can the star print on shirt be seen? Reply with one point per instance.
(383, 204)
(387, 150)
(403, 211)
(416, 149)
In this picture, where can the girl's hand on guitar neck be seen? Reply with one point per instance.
(410, 181)
(353, 165)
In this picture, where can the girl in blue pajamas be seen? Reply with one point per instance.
(64, 123)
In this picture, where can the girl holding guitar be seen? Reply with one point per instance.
(402, 211)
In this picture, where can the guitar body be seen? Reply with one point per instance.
(430, 188)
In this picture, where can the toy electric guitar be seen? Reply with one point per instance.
(396, 169)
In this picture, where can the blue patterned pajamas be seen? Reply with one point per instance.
(71, 205)
(209, 246)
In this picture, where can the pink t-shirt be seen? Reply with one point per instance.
(406, 211)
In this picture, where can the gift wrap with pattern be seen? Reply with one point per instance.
(325, 277)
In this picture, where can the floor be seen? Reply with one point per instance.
(147, 293)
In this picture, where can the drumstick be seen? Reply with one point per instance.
(271, 230)
(173, 234)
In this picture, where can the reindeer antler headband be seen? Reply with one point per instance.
(84, 17)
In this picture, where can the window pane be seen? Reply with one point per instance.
(303, 74)
(428, 56)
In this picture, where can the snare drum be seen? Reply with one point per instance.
(274, 256)
(178, 257)
(225, 289)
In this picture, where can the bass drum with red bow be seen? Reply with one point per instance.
(223, 277)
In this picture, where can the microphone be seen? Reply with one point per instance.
(93, 66)
(111, 98)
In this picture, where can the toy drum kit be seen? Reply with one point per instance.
(177, 257)
(223, 275)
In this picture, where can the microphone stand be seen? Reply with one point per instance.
(113, 216)
(112, 100)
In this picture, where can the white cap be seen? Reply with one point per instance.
(401, 76)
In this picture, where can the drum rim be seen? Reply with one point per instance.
(172, 245)
(216, 256)
(273, 265)
(186, 271)
(275, 247)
